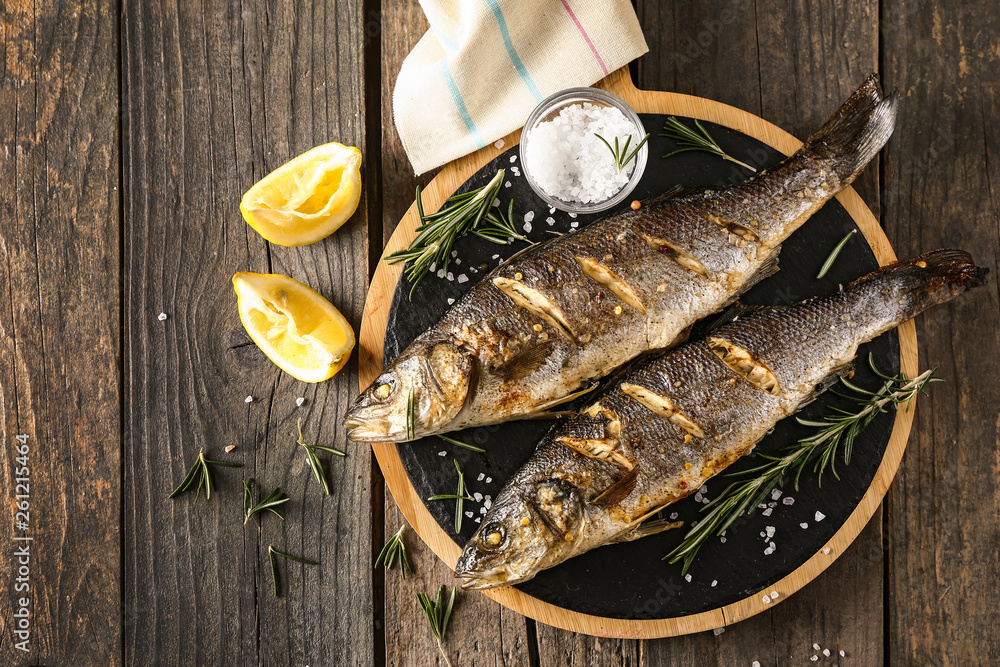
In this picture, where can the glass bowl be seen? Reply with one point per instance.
(549, 109)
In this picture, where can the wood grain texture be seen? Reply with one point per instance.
(216, 96)
(941, 190)
(792, 63)
(371, 344)
(60, 329)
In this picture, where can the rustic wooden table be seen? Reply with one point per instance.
(129, 132)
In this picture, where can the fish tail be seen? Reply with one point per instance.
(909, 287)
(856, 132)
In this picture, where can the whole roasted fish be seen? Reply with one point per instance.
(540, 328)
(671, 423)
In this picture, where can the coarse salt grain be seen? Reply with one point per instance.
(755, 663)
(451, 276)
(248, 399)
(775, 494)
(814, 658)
(442, 453)
(469, 514)
(826, 652)
(550, 221)
(440, 273)
(569, 162)
(513, 158)
(774, 595)
(687, 577)
(450, 301)
(487, 503)
(766, 599)
(499, 143)
(673, 515)
(714, 582)
(718, 631)
(480, 478)
(819, 516)
(478, 496)
(463, 278)
(230, 448)
(788, 500)
(767, 512)
(815, 647)
(843, 655)
(826, 550)
(803, 525)
(769, 531)
(161, 316)
(489, 479)
(527, 228)
(300, 400)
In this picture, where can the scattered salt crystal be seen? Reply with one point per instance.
(843, 655)
(161, 316)
(248, 399)
(527, 228)
(767, 512)
(487, 503)
(482, 510)
(819, 516)
(230, 448)
(506, 184)
(673, 515)
(718, 631)
(499, 143)
(440, 273)
(529, 216)
(450, 301)
(815, 647)
(550, 221)
(766, 599)
(687, 577)
(458, 262)
(299, 401)
(478, 496)
(826, 550)
(774, 595)
(826, 652)
(703, 489)
(762, 506)
(489, 479)
(574, 224)
(496, 203)
(480, 478)
(770, 531)
(814, 658)
(775, 494)
(698, 497)
(462, 278)
(722, 540)
(763, 534)
(788, 500)
(772, 504)
(479, 519)
(714, 582)
(755, 663)
(469, 514)
(803, 525)
(552, 209)
(572, 215)
(442, 453)
(454, 253)
(451, 276)
(513, 158)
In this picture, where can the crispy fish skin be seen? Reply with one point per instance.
(540, 328)
(733, 387)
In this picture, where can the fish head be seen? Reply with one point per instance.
(419, 394)
(534, 527)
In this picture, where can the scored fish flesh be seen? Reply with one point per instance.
(670, 424)
(539, 329)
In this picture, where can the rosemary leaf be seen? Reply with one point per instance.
(834, 253)
(395, 548)
(621, 155)
(818, 451)
(269, 503)
(271, 553)
(460, 496)
(459, 443)
(201, 473)
(410, 421)
(314, 462)
(438, 615)
(695, 140)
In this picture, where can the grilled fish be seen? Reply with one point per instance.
(666, 426)
(539, 329)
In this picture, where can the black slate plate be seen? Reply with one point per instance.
(629, 580)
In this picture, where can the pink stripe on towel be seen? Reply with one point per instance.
(586, 37)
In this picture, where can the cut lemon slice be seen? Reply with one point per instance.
(308, 198)
(299, 330)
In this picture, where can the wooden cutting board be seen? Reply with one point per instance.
(372, 339)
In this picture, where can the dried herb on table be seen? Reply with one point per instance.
(460, 496)
(395, 549)
(621, 155)
(269, 503)
(470, 211)
(837, 433)
(463, 445)
(438, 614)
(315, 464)
(201, 474)
(271, 553)
(834, 253)
(697, 139)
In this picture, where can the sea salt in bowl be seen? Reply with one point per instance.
(564, 160)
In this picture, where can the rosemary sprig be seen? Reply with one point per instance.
(438, 614)
(201, 474)
(460, 496)
(463, 445)
(315, 464)
(622, 156)
(695, 140)
(271, 553)
(469, 211)
(833, 254)
(837, 432)
(410, 416)
(272, 500)
(395, 549)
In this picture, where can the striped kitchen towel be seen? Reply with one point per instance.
(485, 64)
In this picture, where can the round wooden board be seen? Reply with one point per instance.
(372, 337)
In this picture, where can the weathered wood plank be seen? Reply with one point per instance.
(941, 190)
(60, 313)
(216, 96)
(482, 631)
(740, 53)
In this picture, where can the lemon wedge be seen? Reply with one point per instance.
(308, 198)
(299, 330)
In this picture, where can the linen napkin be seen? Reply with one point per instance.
(476, 75)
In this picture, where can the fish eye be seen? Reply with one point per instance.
(492, 536)
(382, 391)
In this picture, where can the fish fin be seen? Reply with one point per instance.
(551, 414)
(524, 363)
(674, 192)
(618, 491)
(856, 132)
(831, 379)
(565, 399)
(767, 269)
(654, 527)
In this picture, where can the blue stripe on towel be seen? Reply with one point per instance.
(456, 95)
(511, 52)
